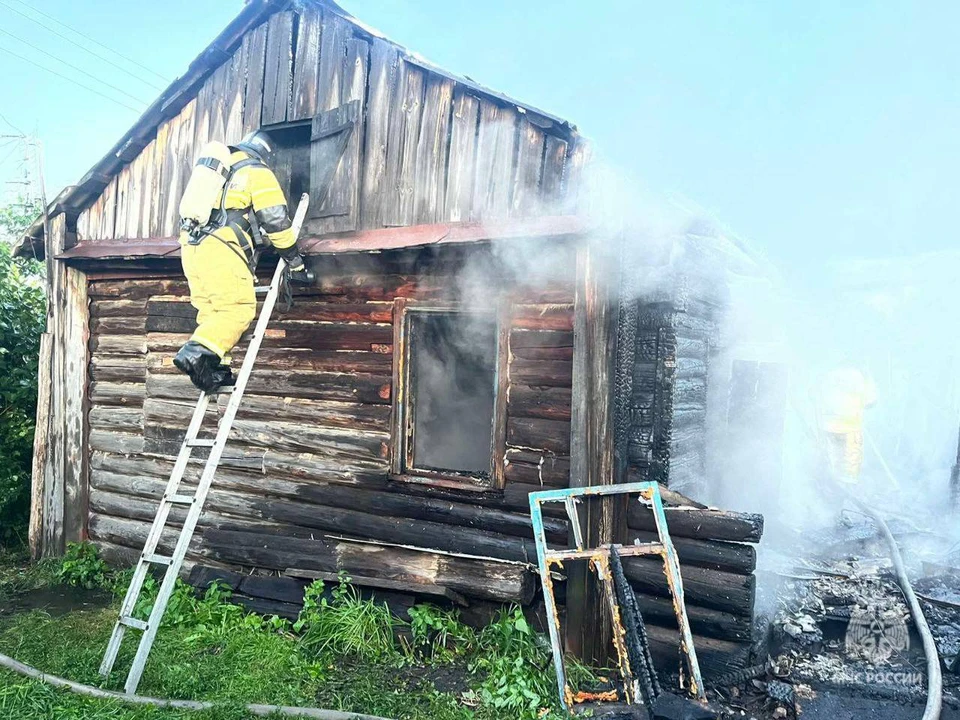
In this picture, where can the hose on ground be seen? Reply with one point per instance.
(22, 669)
(934, 676)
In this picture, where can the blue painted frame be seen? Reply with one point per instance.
(649, 493)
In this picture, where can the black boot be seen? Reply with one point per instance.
(200, 364)
(223, 376)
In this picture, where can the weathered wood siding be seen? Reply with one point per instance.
(310, 455)
(426, 148)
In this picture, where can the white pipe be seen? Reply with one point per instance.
(262, 710)
(934, 676)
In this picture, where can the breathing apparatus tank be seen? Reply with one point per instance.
(202, 193)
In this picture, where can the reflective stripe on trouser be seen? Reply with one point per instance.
(221, 289)
(845, 454)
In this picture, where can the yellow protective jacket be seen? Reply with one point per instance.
(255, 187)
(844, 394)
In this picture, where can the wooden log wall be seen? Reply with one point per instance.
(311, 452)
(667, 408)
(426, 148)
(305, 484)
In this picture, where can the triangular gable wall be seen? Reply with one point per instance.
(427, 147)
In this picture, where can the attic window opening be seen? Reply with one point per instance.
(449, 407)
(291, 161)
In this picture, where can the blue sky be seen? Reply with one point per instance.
(820, 130)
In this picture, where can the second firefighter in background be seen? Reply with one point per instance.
(218, 255)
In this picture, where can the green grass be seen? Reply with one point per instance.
(342, 654)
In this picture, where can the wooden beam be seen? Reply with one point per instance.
(588, 630)
(35, 532)
(52, 542)
(75, 344)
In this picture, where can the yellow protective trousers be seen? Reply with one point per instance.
(845, 454)
(221, 289)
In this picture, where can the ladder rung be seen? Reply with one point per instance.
(156, 559)
(201, 443)
(222, 390)
(262, 289)
(133, 623)
(180, 499)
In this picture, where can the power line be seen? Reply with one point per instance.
(72, 66)
(94, 41)
(9, 155)
(82, 47)
(70, 79)
(11, 124)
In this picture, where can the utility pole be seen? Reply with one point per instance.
(26, 185)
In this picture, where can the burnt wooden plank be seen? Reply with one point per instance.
(549, 373)
(543, 317)
(254, 44)
(715, 589)
(306, 65)
(169, 177)
(111, 393)
(123, 202)
(543, 353)
(526, 178)
(421, 533)
(551, 403)
(592, 449)
(472, 577)
(458, 199)
(234, 92)
(540, 339)
(309, 385)
(539, 434)
(695, 522)
(218, 122)
(153, 163)
(341, 205)
(400, 186)
(331, 68)
(201, 125)
(574, 185)
(278, 69)
(496, 152)
(551, 185)
(322, 413)
(384, 61)
(432, 144)
(183, 160)
(118, 325)
(737, 558)
(135, 196)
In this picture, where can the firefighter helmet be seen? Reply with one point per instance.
(258, 144)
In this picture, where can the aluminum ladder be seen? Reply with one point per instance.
(195, 502)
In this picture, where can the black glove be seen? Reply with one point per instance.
(297, 272)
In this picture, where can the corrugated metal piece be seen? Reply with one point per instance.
(562, 226)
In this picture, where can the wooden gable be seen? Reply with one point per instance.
(422, 147)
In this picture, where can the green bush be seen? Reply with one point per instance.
(437, 635)
(22, 320)
(345, 624)
(82, 567)
(514, 662)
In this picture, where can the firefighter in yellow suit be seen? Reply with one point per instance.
(844, 395)
(217, 260)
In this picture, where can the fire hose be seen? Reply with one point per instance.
(934, 676)
(934, 703)
(263, 710)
